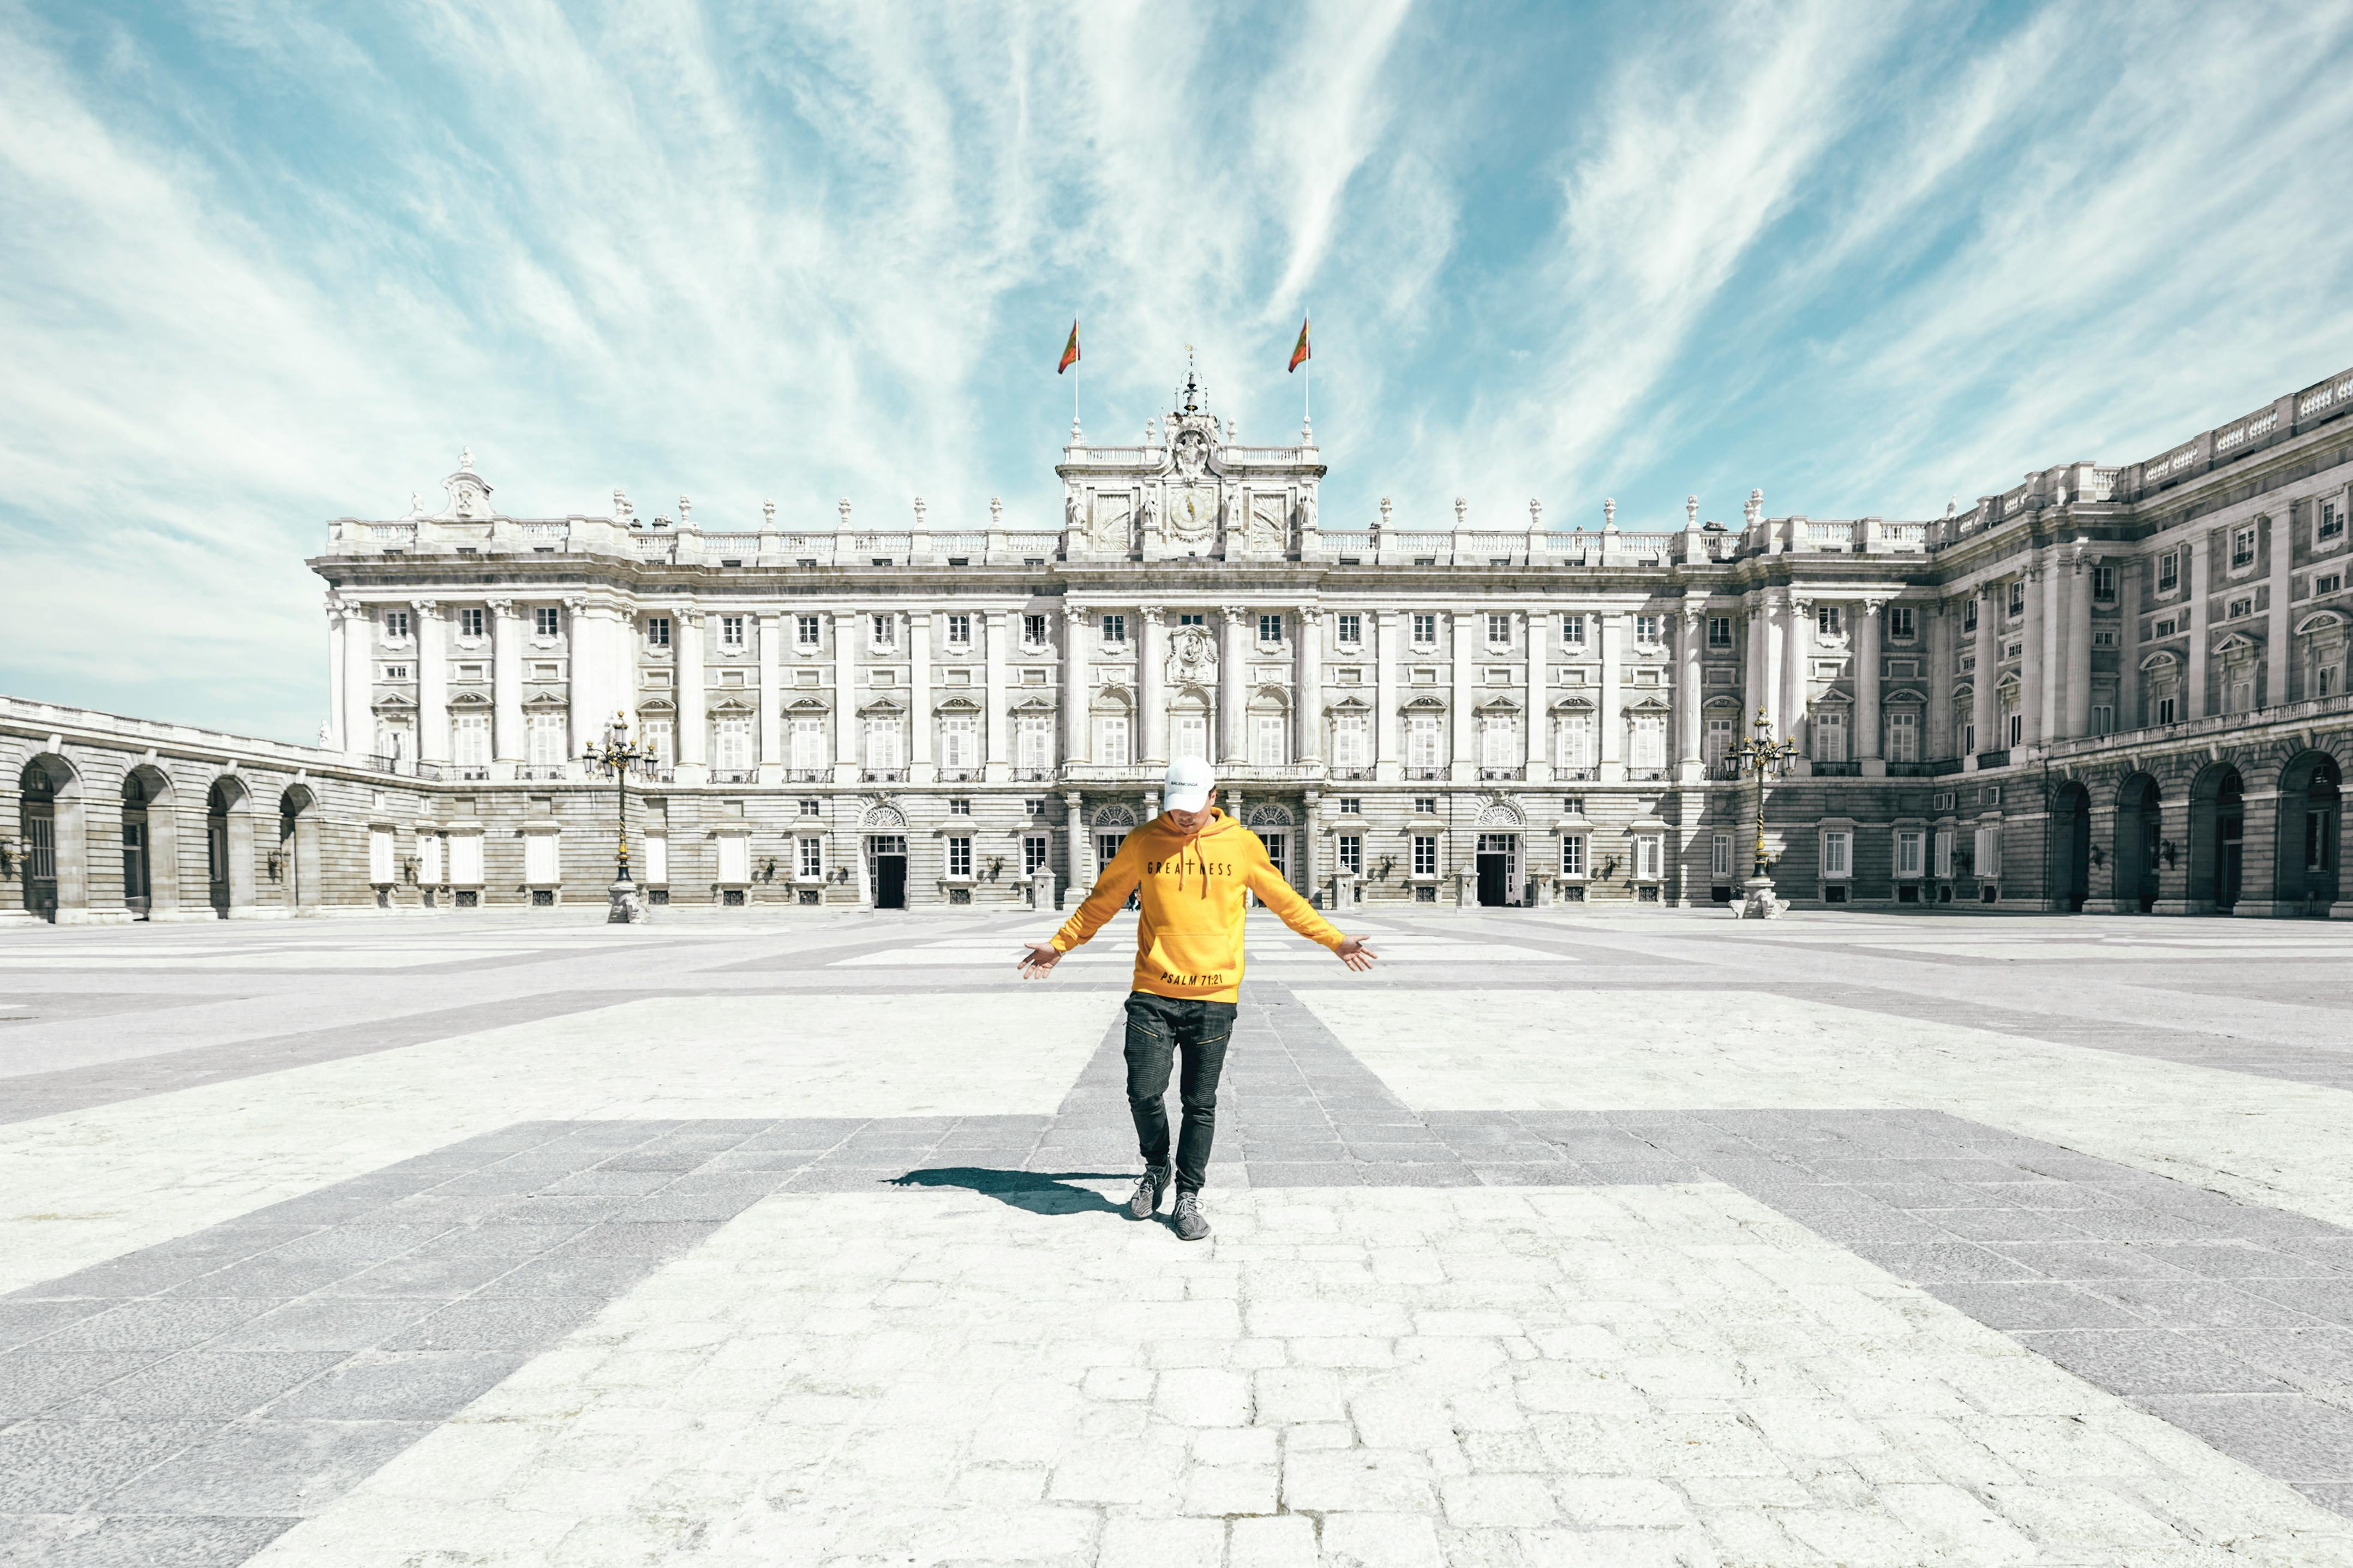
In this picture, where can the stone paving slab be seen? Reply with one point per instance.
(701, 1255)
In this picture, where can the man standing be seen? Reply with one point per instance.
(1189, 867)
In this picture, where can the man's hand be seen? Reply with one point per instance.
(1039, 959)
(1355, 954)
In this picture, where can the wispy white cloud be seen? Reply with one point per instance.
(1702, 142)
(280, 265)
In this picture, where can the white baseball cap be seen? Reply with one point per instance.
(1187, 785)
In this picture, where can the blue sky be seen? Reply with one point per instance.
(265, 264)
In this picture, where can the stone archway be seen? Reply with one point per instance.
(296, 863)
(52, 840)
(2139, 840)
(228, 847)
(150, 856)
(2071, 847)
(2306, 847)
(2218, 835)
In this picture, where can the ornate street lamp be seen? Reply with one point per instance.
(616, 757)
(1762, 755)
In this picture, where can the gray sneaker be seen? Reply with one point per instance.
(1146, 1201)
(1191, 1224)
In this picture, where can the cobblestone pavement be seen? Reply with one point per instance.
(1559, 1239)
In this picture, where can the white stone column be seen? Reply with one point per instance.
(693, 719)
(1389, 761)
(1866, 689)
(1075, 825)
(1076, 745)
(1797, 675)
(2193, 704)
(845, 699)
(920, 762)
(336, 738)
(2079, 646)
(1612, 696)
(1691, 631)
(1462, 744)
(1308, 689)
(1985, 709)
(1937, 729)
(769, 733)
(359, 680)
(998, 721)
(584, 668)
(432, 683)
(1755, 687)
(1776, 616)
(507, 741)
(2278, 635)
(1233, 744)
(1310, 828)
(1537, 761)
(2053, 659)
(2128, 599)
(1150, 747)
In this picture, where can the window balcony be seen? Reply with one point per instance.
(1353, 774)
(1848, 770)
(1645, 775)
(1577, 775)
(734, 775)
(541, 772)
(960, 775)
(1493, 774)
(1424, 775)
(1112, 772)
(1993, 759)
(1034, 775)
(474, 772)
(808, 775)
(883, 775)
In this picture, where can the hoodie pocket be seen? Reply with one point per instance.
(1195, 965)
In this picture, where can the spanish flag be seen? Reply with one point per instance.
(1070, 349)
(1299, 354)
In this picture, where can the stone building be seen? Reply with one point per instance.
(2106, 688)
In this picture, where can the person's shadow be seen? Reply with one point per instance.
(1037, 1192)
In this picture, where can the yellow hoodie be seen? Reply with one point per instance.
(1189, 941)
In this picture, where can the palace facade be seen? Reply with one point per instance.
(2109, 687)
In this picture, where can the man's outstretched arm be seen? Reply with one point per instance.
(1296, 913)
(1112, 888)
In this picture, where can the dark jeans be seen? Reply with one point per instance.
(1158, 1029)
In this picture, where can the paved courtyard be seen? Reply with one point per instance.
(1559, 1239)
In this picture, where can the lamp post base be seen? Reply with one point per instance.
(625, 907)
(1758, 902)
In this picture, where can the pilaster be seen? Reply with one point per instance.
(432, 683)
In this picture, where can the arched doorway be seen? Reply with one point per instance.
(2071, 847)
(1113, 824)
(885, 861)
(228, 847)
(140, 790)
(1273, 824)
(2139, 840)
(40, 786)
(2310, 819)
(2218, 833)
(295, 866)
(1497, 859)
